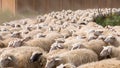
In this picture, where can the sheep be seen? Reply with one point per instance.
(68, 65)
(95, 45)
(40, 35)
(55, 52)
(6, 41)
(68, 43)
(112, 40)
(33, 33)
(101, 37)
(77, 46)
(4, 34)
(77, 57)
(15, 43)
(41, 19)
(57, 45)
(22, 57)
(110, 51)
(27, 38)
(44, 43)
(66, 33)
(109, 63)
(16, 35)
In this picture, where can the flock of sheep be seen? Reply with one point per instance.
(63, 39)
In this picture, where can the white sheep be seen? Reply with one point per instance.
(109, 63)
(112, 40)
(6, 41)
(58, 44)
(22, 57)
(16, 43)
(110, 51)
(16, 35)
(68, 65)
(95, 45)
(77, 57)
(44, 43)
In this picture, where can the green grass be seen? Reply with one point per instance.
(111, 19)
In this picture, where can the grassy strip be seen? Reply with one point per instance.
(111, 19)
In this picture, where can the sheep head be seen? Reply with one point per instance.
(56, 46)
(53, 62)
(15, 43)
(91, 37)
(97, 33)
(35, 56)
(27, 38)
(60, 40)
(106, 51)
(102, 37)
(77, 46)
(110, 39)
(41, 35)
(16, 35)
(7, 61)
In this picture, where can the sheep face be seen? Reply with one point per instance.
(101, 37)
(27, 38)
(60, 40)
(97, 33)
(106, 51)
(56, 46)
(6, 61)
(52, 62)
(16, 43)
(40, 35)
(110, 39)
(35, 56)
(91, 37)
(16, 35)
(77, 46)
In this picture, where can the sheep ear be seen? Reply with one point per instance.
(35, 56)
(57, 58)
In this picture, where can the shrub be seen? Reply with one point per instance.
(111, 19)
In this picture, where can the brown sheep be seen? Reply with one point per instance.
(22, 57)
(95, 45)
(77, 57)
(109, 63)
(58, 44)
(44, 43)
(6, 41)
